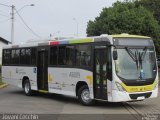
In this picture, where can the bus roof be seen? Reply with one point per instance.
(103, 37)
(125, 35)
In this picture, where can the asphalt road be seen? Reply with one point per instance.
(13, 101)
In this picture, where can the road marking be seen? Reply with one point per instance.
(132, 111)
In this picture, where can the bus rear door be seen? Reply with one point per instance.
(42, 69)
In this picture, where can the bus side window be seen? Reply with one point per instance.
(6, 56)
(28, 56)
(13, 56)
(22, 56)
(17, 56)
(33, 56)
(62, 55)
(53, 55)
(70, 55)
(83, 55)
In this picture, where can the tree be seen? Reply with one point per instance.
(125, 17)
(151, 5)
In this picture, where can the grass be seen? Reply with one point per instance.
(1, 80)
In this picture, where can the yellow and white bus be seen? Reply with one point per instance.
(113, 68)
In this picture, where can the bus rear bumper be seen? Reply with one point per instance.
(118, 96)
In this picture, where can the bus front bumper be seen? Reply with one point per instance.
(119, 96)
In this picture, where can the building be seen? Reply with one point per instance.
(3, 42)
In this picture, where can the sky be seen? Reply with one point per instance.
(58, 18)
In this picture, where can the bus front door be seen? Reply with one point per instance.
(100, 73)
(42, 70)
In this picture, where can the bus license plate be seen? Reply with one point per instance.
(141, 98)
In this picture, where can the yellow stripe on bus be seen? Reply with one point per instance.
(43, 91)
(139, 88)
(84, 40)
(90, 79)
(128, 36)
(50, 78)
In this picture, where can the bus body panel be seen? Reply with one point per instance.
(109, 90)
(64, 80)
(125, 96)
(15, 74)
(60, 80)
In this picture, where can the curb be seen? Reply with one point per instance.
(3, 85)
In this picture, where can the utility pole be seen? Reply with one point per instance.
(12, 24)
(13, 18)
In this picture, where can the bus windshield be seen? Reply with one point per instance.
(136, 63)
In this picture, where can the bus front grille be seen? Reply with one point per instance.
(135, 96)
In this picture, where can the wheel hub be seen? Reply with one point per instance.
(86, 96)
(26, 88)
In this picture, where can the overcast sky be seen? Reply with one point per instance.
(49, 17)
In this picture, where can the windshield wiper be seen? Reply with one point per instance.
(143, 53)
(142, 56)
(134, 56)
(137, 57)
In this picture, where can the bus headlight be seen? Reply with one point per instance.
(120, 88)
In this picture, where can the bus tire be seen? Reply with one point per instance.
(27, 88)
(84, 96)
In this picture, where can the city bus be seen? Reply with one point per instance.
(113, 68)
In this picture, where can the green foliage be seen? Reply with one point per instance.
(151, 5)
(125, 17)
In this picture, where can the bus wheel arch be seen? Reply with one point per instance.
(82, 91)
(79, 85)
(24, 79)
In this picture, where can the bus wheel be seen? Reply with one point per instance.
(27, 88)
(84, 96)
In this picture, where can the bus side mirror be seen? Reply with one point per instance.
(115, 55)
